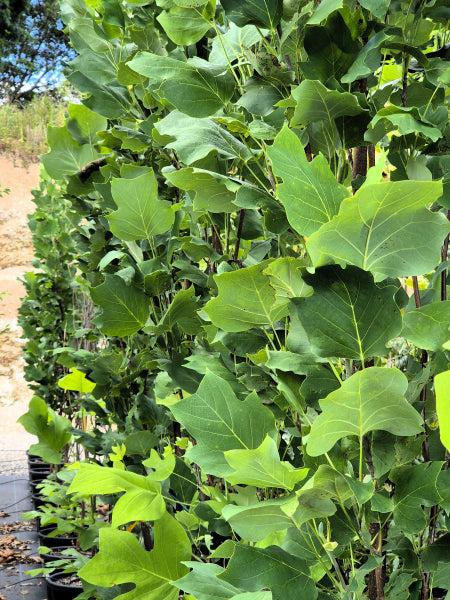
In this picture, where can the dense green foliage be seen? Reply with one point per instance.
(254, 369)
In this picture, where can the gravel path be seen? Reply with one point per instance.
(15, 255)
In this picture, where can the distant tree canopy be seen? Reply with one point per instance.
(33, 47)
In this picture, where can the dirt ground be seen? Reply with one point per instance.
(16, 253)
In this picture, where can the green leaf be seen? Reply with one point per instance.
(125, 309)
(365, 402)
(50, 428)
(122, 559)
(140, 214)
(331, 48)
(142, 500)
(203, 582)
(83, 124)
(286, 277)
(402, 121)
(253, 569)
(198, 137)
(316, 103)
(196, 87)
(376, 7)
(66, 156)
(218, 421)
(369, 58)
(184, 26)
(233, 43)
(245, 299)
(374, 229)
(213, 192)
(442, 387)
(325, 8)
(414, 487)
(262, 467)
(428, 326)
(310, 192)
(255, 522)
(76, 382)
(182, 312)
(348, 315)
(262, 13)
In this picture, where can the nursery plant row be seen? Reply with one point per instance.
(237, 329)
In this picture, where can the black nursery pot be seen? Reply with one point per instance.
(63, 586)
(54, 541)
(38, 474)
(55, 554)
(37, 500)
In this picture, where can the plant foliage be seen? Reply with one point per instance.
(258, 183)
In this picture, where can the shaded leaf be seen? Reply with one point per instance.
(348, 314)
(125, 309)
(414, 487)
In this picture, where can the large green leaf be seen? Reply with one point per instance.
(348, 315)
(256, 521)
(213, 192)
(140, 214)
(197, 137)
(184, 26)
(219, 422)
(366, 402)
(66, 156)
(125, 309)
(414, 487)
(309, 191)
(50, 428)
(316, 103)
(262, 467)
(245, 299)
(195, 87)
(428, 326)
(374, 229)
(141, 501)
(254, 569)
(263, 13)
(122, 559)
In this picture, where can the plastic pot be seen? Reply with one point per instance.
(63, 586)
(55, 540)
(55, 554)
(38, 474)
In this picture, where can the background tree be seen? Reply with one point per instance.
(33, 47)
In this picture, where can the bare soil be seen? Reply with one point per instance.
(16, 252)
